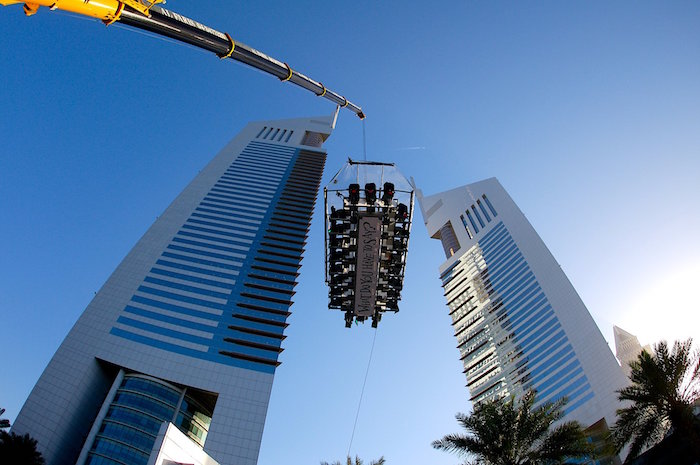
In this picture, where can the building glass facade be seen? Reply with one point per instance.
(189, 327)
(518, 321)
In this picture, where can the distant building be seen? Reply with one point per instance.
(627, 348)
(189, 327)
(518, 321)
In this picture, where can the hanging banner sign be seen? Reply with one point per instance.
(369, 236)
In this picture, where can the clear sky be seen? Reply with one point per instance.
(587, 112)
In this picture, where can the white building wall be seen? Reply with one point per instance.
(599, 364)
(65, 400)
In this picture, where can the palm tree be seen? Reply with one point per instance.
(502, 433)
(381, 461)
(16, 449)
(664, 387)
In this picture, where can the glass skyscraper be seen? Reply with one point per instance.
(189, 327)
(518, 321)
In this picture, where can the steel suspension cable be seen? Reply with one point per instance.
(362, 392)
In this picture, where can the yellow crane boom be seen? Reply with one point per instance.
(147, 15)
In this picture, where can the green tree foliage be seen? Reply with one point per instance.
(664, 387)
(503, 432)
(357, 461)
(18, 450)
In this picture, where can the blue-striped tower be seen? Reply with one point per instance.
(189, 327)
(519, 322)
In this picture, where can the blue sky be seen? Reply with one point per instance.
(587, 112)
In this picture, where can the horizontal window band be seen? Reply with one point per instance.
(276, 230)
(305, 165)
(240, 179)
(241, 225)
(270, 289)
(283, 208)
(458, 307)
(466, 327)
(191, 278)
(169, 331)
(276, 262)
(241, 200)
(285, 240)
(301, 221)
(293, 199)
(186, 288)
(250, 358)
(255, 345)
(244, 184)
(447, 294)
(300, 217)
(272, 270)
(201, 261)
(272, 283)
(238, 231)
(254, 319)
(260, 166)
(244, 206)
(298, 182)
(307, 190)
(452, 267)
(274, 161)
(195, 269)
(181, 298)
(237, 250)
(299, 194)
(244, 245)
(476, 333)
(298, 250)
(466, 369)
(481, 376)
(287, 226)
(190, 311)
(171, 318)
(271, 279)
(268, 151)
(467, 354)
(286, 214)
(306, 176)
(293, 258)
(264, 180)
(445, 283)
(484, 390)
(242, 196)
(227, 214)
(235, 238)
(274, 150)
(222, 204)
(232, 257)
(241, 191)
(258, 332)
(284, 219)
(266, 298)
(288, 204)
(260, 308)
(456, 285)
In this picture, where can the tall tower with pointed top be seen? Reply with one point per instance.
(518, 321)
(627, 348)
(189, 327)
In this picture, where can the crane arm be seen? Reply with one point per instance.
(147, 15)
